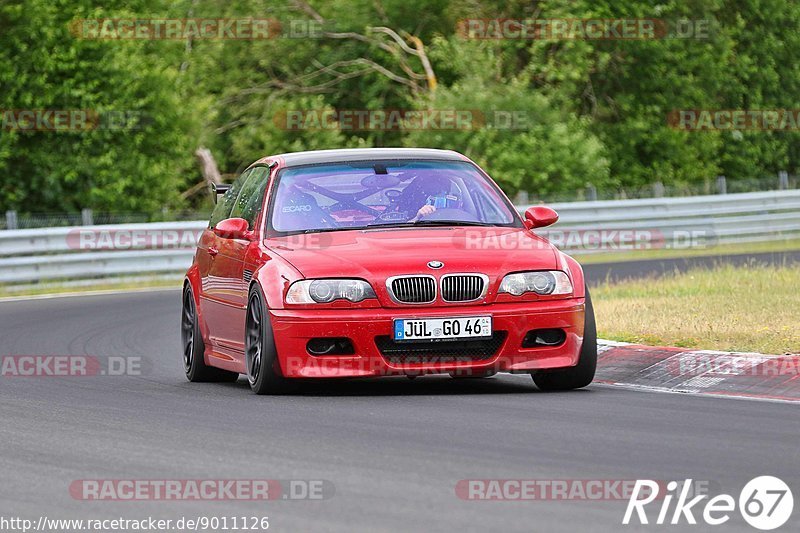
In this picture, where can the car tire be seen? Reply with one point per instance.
(194, 364)
(581, 374)
(261, 356)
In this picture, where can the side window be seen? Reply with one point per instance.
(225, 204)
(251, 197)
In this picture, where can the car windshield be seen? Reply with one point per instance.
(375, 194)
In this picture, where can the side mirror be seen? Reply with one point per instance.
(233, 228)
(218, 189)
(539, 216)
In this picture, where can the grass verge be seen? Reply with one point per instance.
(63, 287)
(727, 308)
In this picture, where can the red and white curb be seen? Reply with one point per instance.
(707, 372)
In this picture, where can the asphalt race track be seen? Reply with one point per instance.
(621, 270)
(394, 449)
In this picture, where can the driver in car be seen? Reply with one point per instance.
(435, 191)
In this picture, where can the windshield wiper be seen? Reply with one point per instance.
(399, 225)
(323, 230)
(450, 223)
(427, 223)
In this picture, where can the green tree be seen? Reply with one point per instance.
(45, 67)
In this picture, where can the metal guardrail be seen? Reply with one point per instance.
(95, 238)
(168, 247)
(686, 222)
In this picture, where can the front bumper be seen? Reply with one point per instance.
(294, 328)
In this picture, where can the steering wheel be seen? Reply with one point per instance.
(355, 206)
(393, 216)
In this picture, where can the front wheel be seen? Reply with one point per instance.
(581, 374)
(261, 357)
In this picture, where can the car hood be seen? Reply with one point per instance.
(375, 255)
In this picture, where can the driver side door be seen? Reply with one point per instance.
(212, 294)
(228, 294)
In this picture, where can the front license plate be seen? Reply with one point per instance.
(442, 329)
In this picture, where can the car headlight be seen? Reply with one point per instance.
(544, 282)
(322, 291)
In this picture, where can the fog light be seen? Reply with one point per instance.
(537, 338)
(322, 346)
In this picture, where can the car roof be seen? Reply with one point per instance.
(294, 159)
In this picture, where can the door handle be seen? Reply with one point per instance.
(212, 251)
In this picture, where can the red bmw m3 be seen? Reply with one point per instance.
(380, 262)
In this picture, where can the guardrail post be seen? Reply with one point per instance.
(591, 192)
(722, 185)
(658, 190)
(11, 220)
(522, 198)
(783, 180)
(86, 217)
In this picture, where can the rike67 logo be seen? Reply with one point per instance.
(765, 503)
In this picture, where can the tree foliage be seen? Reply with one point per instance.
(587, 111)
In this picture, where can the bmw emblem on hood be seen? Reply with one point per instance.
(435, 264)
